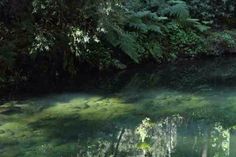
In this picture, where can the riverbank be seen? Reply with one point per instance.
(119, 79)
(213, 44)
(47, 40)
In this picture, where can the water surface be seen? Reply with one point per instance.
(179, 110)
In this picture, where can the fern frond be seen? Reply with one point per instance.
(113, 38)
(145, 21)
(201, 27)
(198, 25)
(155, 28)
(127, 42)
(178, 9)
(155, 50)
(129, 45)
(141, 13)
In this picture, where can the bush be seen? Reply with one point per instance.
(216, 12)
(184, 42)
(221, 42)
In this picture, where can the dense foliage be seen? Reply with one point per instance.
(217, 12)
(56, 38)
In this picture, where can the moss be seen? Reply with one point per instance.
(171, 102)
(144, 146)
(31, 128)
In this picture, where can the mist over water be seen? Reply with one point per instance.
(178, 110)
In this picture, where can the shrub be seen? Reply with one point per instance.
(184, 42)
(221, 42)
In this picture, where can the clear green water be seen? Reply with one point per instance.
(184, 110)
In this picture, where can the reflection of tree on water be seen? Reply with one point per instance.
(148, 139)
(220, 141)
(169, 137)
(201, 139)
(162, 137)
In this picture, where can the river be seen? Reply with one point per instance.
(187, 109)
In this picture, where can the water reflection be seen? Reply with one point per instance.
(169, 137)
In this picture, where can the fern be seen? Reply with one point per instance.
(197, 24)
(178, 9)
(155, 28)
(201, 27)
(128, 43)
(155, 50)
(132, 25)
(144, 21)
